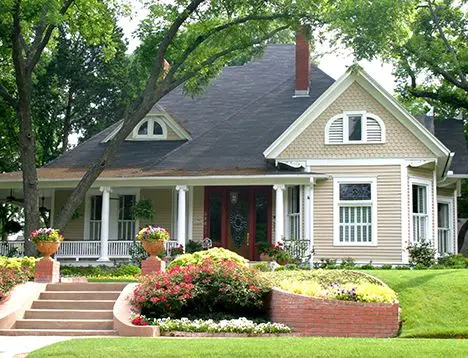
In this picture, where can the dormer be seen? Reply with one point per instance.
(156, 126)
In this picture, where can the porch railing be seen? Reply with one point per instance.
(298, 248)
(81, 249)
(443, 235)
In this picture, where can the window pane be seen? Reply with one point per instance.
(157, 129)
(96, 207)
(419, 199)
(355, 131)
(443, 215)
(355, 192)
(215, 217)
(143, 130)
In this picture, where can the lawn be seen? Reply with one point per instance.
(255, 347)
(433, 302)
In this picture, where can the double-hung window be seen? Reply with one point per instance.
(294, 213)
(355, 208)
(420, 200)
(126, 223)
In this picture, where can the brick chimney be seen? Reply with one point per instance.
(302, 63)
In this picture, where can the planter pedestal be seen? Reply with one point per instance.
(47, 270)
(151, 265)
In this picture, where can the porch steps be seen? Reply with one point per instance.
(70, 309)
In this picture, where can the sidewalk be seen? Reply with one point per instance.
(10, 346)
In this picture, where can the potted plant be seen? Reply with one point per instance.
(176, 251)
(265, 250)
(47, 241)
(152, 239)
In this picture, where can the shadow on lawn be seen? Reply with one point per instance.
(417, 281)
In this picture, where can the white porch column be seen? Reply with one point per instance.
(279, 221)
(105, 214)
(181, 220)
(307, 213)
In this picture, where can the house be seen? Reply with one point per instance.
(274, 150)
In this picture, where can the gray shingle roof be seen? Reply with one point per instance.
(239, 115)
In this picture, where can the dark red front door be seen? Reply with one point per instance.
(237, 218)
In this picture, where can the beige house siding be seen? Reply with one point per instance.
(171, 135)
(400, 142)
(198, 213)
(74, 230)
(162, 207)
(445, 192)
(388, 249)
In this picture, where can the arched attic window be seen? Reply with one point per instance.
(355, 128)
(150, 129)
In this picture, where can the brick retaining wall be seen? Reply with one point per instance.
(311, 316)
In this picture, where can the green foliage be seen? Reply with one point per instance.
(137, 254)
(143, 209)
(102, 272)
(453, 261)
(347, 263)
(326, 264)
(422, 254)
(24, 264)
(193, 246)
(262, 266)
(368, 266)
(9, 278)
(218, 254)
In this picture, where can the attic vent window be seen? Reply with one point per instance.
(150, 129)
(355, 128)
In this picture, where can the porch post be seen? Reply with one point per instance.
(279, 221)
(105, 213)
(307, 214)
(181, 190)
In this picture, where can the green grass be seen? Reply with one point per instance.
(433, 302)
(255, 347)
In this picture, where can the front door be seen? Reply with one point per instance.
(237, 218)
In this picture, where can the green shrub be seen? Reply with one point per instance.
(9, 278)
(453, 261)
(347, 263)
(326, 264)
(217, 254)
(402, 267)
(368, 266)
(386, 267)
(193, 246)
(422, 254)
(127, 270)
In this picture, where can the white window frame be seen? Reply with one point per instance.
(150, 135)
(452, 232)
(337, 203)
(429, 203)
(345, 115)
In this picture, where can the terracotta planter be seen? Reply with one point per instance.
(153, 248)
(47, 248)
(265, 257)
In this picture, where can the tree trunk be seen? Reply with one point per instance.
(27, 144)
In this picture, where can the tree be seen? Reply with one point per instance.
(432, 60)
(197, 38)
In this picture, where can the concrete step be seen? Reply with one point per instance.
(90, 324)
(74, 304)
(58, 332)
(91, 286)
(79, 295)
(67, 314)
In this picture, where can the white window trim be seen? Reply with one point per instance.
(336, 208)
(150, 135)
(449, 201)
(429, 202)
(345, 115)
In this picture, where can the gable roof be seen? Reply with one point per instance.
(373, 88)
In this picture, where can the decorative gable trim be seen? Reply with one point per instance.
(163, 117)
(333, 93)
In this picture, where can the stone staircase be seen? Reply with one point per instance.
(70, 309)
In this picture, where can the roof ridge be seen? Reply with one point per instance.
(161, 159)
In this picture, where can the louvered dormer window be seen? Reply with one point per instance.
(355, 128)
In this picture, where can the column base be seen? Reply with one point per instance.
(47, 270)
(152, 265)
(103, 259)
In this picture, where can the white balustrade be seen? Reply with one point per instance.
(15, 247)
(119, 248)
(79, 249)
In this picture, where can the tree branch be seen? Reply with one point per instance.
(226, 52)
(202, 38)
(44, 40)
(443, 98)
(8, 97)
(447, 44)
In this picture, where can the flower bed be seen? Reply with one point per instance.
(9, 278)
(241, 325)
